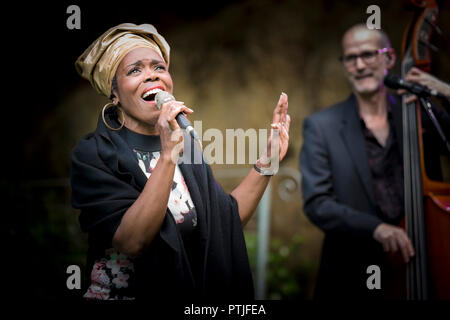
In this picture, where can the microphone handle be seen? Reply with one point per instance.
(186, 125)
(420, 90)
(182, 121)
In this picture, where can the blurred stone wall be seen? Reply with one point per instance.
(230, 67)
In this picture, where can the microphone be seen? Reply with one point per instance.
(395, 82)
(163, 97)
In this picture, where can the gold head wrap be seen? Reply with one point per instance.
(99, 62)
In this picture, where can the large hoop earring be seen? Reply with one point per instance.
(110, 104)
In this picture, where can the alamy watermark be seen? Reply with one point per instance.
(74, 19)
(374, 280)
(74, 279)
(374, 20)
(237, 146)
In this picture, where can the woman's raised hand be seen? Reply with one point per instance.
(279, 134)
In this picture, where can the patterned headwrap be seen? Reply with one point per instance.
(99, 62)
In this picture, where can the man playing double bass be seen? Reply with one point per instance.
(352, 176)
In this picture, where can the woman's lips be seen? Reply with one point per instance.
(149, 94)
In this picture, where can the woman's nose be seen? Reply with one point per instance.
(151, 75)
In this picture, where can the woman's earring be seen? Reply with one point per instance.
(110, 104)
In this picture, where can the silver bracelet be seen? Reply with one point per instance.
(264, 172)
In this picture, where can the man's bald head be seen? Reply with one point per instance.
(361, 31)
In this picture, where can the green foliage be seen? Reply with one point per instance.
(287, 273)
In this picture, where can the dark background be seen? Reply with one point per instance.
(229, 53)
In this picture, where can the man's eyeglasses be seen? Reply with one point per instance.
(368, 57)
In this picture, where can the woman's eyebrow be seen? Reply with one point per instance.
(140, 62)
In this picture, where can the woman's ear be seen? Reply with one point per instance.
(114, 97)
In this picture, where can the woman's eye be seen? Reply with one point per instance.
(160, 68)
(133, 71)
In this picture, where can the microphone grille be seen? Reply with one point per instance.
(162, 97)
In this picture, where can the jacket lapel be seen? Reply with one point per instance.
(354, 140)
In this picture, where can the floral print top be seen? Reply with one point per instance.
(110, 277)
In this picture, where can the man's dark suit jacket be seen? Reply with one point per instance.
(338, 197)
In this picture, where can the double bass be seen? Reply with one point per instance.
(427, 202)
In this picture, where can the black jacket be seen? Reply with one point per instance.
(106, 180)
(338, 196)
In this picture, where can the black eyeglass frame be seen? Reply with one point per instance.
(351, 59)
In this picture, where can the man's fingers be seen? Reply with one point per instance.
(415, 71)
(413, 78)
(408, 245)
(393, 244)
(410, 98)
(405, 246)
(404, 249)
(394, 239)
(386, 246)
